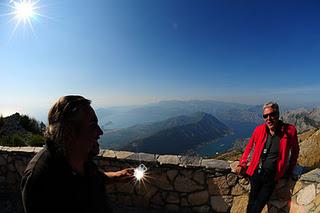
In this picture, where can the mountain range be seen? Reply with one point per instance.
(303, 119)
(138, 128)
(174, 135)
(122, 117)
(168, 126)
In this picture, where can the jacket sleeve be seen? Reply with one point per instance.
(294, 152)
(29, 193)
(249, 147)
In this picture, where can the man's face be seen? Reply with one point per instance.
(271, 117)
(86, 139)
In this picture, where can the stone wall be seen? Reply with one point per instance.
(173, 183)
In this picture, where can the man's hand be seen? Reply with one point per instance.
(124, 175)
(239, 170)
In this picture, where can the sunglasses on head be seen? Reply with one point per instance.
(272, 114)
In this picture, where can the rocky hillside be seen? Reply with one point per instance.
(20, 130)
(303, 119)
(309, 155)
(177, 140)
(117, 138)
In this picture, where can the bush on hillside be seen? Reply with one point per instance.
(30, 124)
(12, 140)
(1, 121)
(36, 140)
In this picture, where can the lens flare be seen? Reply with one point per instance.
(24, 12)
(139, 172)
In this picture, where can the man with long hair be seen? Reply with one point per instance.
(62, 177)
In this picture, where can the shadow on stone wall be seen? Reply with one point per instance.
(174, 183)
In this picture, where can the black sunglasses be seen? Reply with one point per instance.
(272, 114)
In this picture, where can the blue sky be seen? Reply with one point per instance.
(127, 52)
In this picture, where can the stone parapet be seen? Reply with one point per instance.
(177, 183)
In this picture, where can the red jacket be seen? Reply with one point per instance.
(288, 143)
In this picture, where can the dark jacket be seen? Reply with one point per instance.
(50, 185)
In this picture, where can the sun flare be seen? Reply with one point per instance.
(24, 12)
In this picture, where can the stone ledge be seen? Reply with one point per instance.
(215, 164)
(190, 161)
(169, 159)
(123, 154)
(177, 160)
(174, 160)
(144, 157)
(313, 176)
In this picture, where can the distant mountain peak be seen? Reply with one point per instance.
(303, 119)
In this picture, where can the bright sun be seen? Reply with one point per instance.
(24, 10)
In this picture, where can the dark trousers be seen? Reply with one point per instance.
(262, 186)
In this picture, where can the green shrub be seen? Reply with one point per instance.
(1, 121)
(36, 140)
(12, 140)
(30, 124)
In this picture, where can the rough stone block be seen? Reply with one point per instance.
(110, 188)
(2, 179)
(20, 166)
(125, 200)
(198, 176)
(169, 159)
(185, 184)
(317, 200)
(26, 149)
(297, 187)
(238, 190)
(109, 154)
(37, 149)
(306, 195)
(215, 164)
(140, 201)
(173, 197)
(192, 161)
(239, 204)
(162, 182)
(172, 174)
(172, 207)
(232, 179)
(317, 209)
(186, 172)
(312, 176)
(123, 154)
(198, 198)
(201, 209)
(143, 157)
(184, 202)
(3, 161)
(233, 166)
(125, 187)
(219, 204)
(157, 199)
(145, 189)
(218, 186)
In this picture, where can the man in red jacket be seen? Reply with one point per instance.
(275, 149)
